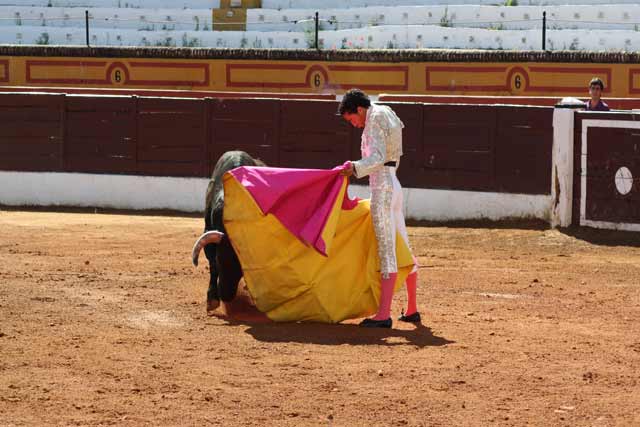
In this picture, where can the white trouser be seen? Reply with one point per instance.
(387, 216)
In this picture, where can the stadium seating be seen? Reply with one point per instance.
(343, 24)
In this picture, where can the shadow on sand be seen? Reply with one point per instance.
(339, 334)
(604, 237)
(241, 311)
(503, 224)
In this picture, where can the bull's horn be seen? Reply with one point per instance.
(204, 240)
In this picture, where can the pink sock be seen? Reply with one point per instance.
(386, 295)
(412, 286)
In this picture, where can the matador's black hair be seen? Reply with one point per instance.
(353, 99)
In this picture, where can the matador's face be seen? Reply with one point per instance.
(357, 119)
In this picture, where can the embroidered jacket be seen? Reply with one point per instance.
(381, 140)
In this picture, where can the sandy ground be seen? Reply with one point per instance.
(102, 322)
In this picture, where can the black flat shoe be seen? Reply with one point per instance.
(412, 318)
(370, 323)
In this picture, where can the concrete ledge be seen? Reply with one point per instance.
(105, 191)
(187, 195)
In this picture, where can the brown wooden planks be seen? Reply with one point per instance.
(171, 137)
(31, 129)
(312, 136)
(461, 147)
(524, 140)
(100, 135)
(250, 125)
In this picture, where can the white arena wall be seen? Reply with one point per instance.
(403, 37)
(187, 195)
(613, 17)
(595, 28)
(114, 18)
(124, 4)
(345, 4)
(290, 4)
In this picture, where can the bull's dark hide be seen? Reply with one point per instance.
(224, 266)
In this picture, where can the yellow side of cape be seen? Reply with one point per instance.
(290, 281)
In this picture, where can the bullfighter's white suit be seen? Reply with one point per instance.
(382, 144)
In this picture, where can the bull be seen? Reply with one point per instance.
(225, 270)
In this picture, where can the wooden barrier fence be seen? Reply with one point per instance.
(461, 147)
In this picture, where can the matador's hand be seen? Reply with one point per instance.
(348, 169)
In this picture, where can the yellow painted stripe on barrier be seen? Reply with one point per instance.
(428, 78)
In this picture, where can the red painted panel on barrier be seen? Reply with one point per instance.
(28, 147)
(312, 136)
(171, 136)
(458, 147)
(446, 146)
(170, 129)
(100, 135)
(165, 93)
(249, 125)
(618, 211)
(608, 151)
(31, 132)
(253, 110)
(577, 168)
(114, 104)
(97, 124)
(164, 168)
(524, 140)
(28, 129)
(30, 113)
(412, 137)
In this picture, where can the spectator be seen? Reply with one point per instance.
(596, 86)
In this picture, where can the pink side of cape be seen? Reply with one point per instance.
(301, 199)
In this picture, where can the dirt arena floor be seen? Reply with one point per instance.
(103, 322)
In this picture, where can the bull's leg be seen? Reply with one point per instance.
(229, 270)
(213, 298)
